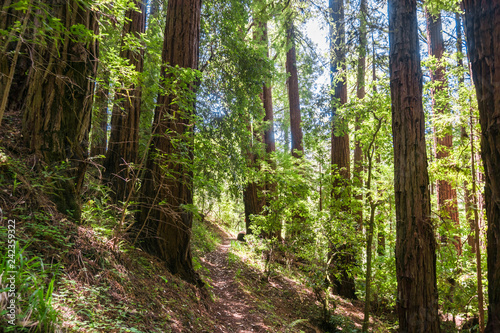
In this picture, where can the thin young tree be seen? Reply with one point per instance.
(123, 143)
(417, 297)
(165, 221)
(360, 94)
(483, 46)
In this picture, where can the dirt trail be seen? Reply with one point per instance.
(234, 310)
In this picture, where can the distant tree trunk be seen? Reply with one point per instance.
(58, 103)
(164, 227)
(253, 203)
(417, 297)
(99, 133)
(483, 41)
(267, 101)
(253, 196)
(297, 147)
(293, 93)
(446, 194)
(124, 138)
(360, 93)
(343, 258)
(154, 8)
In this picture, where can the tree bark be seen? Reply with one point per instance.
(253, 196)
(297, 147)
(99, 134)
(58, 103)
(269, 142)
(482, 20)
(124, 138)
(417, 299)
(164, 222)
(446, 194)
(14, 62)
(343, 256)
(293, 93)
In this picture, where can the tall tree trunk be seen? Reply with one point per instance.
(58, 104)
(417, 298)
(297, 147)
(293, 93)
(99, 133)
(482, 20)
(360, 93)
(124, 138)
(343, 258)
(267, 101)
(164, 227)
(446, 194)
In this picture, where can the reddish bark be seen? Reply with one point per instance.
(293, 93)
(443, 141)
(417, 298)
(343, 256)
(99, 136)
(482, 20)
(124, 138)
(58, 104)
(164, 227)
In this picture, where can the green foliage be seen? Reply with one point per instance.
(204, 240)
(435, 6)
(26, 287)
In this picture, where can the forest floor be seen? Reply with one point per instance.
(247, 300)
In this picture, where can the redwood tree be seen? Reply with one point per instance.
(482, 20)
(417, 297)
(257, 195)
(443, 139)
(293, 92)
(99, 134)
(164, 221)
(124, 139)
(267, 101)
(340, 152)
(297, 147)
(58, 102)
